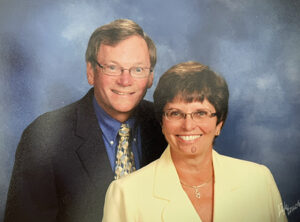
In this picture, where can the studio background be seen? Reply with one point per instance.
(254, 44)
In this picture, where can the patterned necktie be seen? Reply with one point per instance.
(124, 157)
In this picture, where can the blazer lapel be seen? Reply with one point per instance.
(178, 207)
(167, 187)
(92, 152)
(225, 186)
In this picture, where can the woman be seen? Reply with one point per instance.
(191, 181)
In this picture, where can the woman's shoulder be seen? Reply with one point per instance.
(240, 166)
(140, 178)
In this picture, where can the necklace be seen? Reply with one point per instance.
(196, 188)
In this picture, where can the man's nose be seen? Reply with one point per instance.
(125, 79)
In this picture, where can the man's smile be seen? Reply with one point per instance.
(121, 92)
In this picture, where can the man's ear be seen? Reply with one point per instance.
(90, 72)
(150, 80)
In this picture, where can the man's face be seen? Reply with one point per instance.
(119, 95)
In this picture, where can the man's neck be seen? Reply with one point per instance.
(119, 116)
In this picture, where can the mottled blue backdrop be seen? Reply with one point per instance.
(255, 44)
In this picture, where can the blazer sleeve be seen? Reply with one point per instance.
(32, 195)
(275, 202)
(115, 207)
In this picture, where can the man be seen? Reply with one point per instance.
(67, 158)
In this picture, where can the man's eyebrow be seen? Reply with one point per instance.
(134, 64)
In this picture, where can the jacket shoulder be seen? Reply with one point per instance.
(235, 162)
(55, 129)
(53, 120)
(153, 141)
(243, 169)
(63, 117)
(145, 110)
(134, 185)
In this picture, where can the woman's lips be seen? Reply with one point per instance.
(189, 137)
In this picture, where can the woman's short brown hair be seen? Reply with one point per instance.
(192, 81)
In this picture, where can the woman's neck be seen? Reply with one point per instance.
(194, 170)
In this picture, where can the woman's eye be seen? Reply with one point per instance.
(200, 113)
(175, 113)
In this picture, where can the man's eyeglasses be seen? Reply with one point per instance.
(198, 116)
(116, 70)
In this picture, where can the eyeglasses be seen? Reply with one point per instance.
(198, 116)
(116, 70)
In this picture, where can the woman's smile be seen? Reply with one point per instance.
(184, 133)
(189, 138)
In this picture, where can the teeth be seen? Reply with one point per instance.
(189, 137)
(121, 93)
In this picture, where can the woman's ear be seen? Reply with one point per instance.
(218, 128)
(162, 127)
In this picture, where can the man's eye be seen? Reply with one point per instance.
(112, 67)
(138, 69)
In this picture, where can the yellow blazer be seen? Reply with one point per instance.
(244, 191)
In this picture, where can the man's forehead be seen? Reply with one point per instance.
(134, 39)
(130, 50)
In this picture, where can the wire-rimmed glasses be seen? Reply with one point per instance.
(116, 70)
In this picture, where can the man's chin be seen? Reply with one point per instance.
(124, 109)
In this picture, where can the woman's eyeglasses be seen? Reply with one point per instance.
(198, 116)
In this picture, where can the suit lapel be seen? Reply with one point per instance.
(93, 157)
(167, 188)
(92, 152)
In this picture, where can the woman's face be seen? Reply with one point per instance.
(186, 136)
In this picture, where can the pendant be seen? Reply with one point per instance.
(197, 193)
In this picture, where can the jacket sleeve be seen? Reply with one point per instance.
(114, 206)
(119, 204)
(275, 202)
(32, 195)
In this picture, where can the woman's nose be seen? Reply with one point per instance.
(188, 123)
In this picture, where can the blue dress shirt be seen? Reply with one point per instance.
(110, 128)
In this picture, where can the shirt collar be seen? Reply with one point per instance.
(109, 126)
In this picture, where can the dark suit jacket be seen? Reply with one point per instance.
(62, 170)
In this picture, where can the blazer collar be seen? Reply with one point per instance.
(223, 182)
(178, 206)
(226, 184)
(86, 120)
(167, 187)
